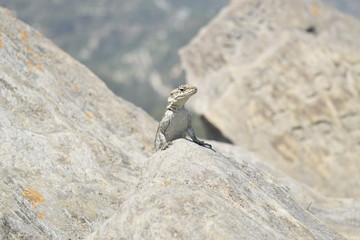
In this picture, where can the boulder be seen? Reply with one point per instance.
(282, 78)
(191, 192)
(77, 162)
(70, 149)
(341, 214)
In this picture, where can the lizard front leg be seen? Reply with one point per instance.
(160, 139)
(191, 133)
(160, 142)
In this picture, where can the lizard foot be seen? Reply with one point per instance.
(168, 144)
(204, 144)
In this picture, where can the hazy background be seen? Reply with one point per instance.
(132, 45)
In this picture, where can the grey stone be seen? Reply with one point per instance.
(281, 78)
(70, 149)
(191, 192)
(76, 162)
(341, 214)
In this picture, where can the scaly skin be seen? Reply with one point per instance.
(176, 121)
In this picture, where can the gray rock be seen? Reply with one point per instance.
(75, 161)
(190, 192)
(281, 78)
(70, 150)
(342, 214)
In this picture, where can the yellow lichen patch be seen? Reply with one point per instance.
(39, 67)
(34, 196)
(37, 58)
(167, 183)
(23, 36)
(41, 215)
(1, 45)
(89, 115)
(315, 11)
(31, 71)
(76, 88)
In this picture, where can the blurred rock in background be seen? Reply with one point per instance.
(131, 45)
(282, 78)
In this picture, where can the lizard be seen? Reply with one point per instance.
(176, 121)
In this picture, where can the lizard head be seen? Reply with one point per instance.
(180, 95)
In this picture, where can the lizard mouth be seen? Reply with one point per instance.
(193, 90)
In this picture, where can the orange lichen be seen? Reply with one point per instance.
(37, 58)
(34, 196)
(30, 63)
(29, 49)
(9, 34)
(89, 115)
(31, 71)
(7, 11)
(41, 215)
(63, 52)
(315, 11)
(1, 45)
(39, 67)
(23, 36)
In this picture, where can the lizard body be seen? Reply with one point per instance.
(176, 122)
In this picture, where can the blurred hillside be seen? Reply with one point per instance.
(351, 7)
(131, 45)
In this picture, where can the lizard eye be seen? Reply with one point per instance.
(181, 89)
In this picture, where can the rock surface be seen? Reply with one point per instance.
(75, 161)
(196, 193)
(70, 150)
(282, 78)
(342, 214)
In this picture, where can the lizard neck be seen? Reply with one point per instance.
(174, 108)
(177, 105)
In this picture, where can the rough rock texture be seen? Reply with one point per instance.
(199, 194)
(282, 78)
(341, 214)
(70, 150)
(75, 161)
